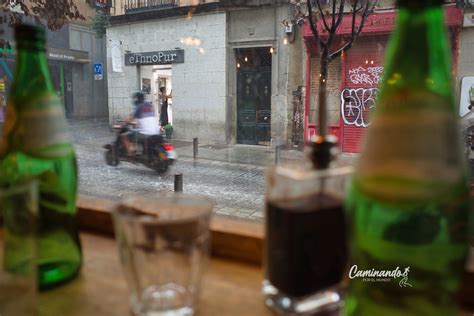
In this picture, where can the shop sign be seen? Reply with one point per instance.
(68, 55)
(466, 99)
(468, 19)
(155, 58)
(6, 48)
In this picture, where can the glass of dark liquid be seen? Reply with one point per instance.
(306, 252)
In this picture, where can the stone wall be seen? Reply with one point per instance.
(261, 27)
(465, 68)
(199, 84)
(466, 57)
(90, 96)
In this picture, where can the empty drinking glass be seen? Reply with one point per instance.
(163, 242)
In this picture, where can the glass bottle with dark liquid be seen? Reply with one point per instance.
(306, 253)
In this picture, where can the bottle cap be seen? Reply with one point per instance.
(419, 4)
(29, 33)
(322, 150)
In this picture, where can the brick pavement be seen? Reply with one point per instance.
(233, 175)
(237, 188)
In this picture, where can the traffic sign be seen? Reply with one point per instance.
(97, 69)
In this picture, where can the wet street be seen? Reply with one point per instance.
(237, 188)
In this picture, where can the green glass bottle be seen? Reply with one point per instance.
(36, 144)
(408, 202)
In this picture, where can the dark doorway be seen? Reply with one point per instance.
(60, 75)
(68, 93)
(254, 80)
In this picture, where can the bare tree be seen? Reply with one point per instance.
(326, 16)
(55, 13)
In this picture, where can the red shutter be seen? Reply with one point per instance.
(362, 74)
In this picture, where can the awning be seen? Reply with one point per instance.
(376, 24)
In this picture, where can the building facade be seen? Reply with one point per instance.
(262, 91)
(87, 91)
(354, 78)
(196, 82)
(236, 78)
(72, 52)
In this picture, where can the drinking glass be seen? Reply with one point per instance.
(306, 252)
(18, 217)
(163, 242)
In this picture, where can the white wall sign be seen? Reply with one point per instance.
(467, 83)
(116, 58)
(468, 19)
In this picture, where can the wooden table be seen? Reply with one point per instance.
(229, 288)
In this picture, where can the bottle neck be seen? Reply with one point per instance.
(32, 74)
(418, 55)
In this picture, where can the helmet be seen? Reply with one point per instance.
(138, 97)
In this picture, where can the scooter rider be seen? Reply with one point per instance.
(147, 123)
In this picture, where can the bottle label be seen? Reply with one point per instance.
(41, 129)
(413, 138)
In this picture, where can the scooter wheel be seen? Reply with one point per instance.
(162, 166)
(111, 158)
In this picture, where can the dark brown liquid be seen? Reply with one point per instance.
(306, 250)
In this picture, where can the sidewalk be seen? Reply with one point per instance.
(98, 131)
(263, 156)
(241, 154)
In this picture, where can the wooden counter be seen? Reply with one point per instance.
(229, 288)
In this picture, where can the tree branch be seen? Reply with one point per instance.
(354, 15)
(336, 24)
(56, 13)
(322, 16)
(313, 27)
(340, 14)
(354, 34)
(333, 14)
(368, 10)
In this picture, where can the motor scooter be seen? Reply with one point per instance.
(154, 152)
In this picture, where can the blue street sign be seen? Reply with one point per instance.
(97, 69)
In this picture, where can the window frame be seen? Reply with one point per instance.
(234, 239)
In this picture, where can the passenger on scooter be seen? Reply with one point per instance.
(147, 125)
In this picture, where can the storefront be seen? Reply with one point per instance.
(7, 58)
(186, 56)
(155, 72)
(60, 62)
(361, 70)
(237, 80)
(265, 76)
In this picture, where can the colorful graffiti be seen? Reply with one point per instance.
(367, 76)
(356, 105)
(6, 48)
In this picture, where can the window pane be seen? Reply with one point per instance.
(232, 88)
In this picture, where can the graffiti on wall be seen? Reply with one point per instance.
(356, 105)
(367, 76)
